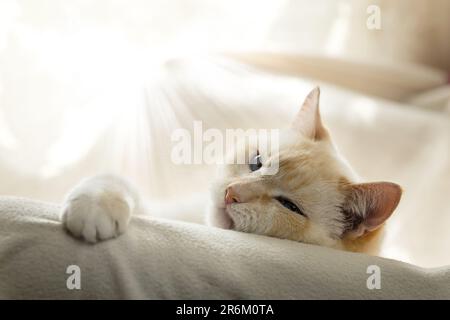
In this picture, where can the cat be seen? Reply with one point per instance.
(315, 197)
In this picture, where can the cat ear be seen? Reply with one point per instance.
(308, 121)
(369, 205)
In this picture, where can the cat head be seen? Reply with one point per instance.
(314, 197)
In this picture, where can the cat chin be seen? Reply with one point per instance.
(220, 218)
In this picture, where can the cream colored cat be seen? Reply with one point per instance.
(314, 197)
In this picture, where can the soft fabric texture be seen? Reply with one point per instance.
(159, 259)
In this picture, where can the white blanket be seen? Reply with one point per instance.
(158, 259)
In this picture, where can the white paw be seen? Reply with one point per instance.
(96, 216)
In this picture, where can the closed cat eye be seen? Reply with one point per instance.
(255, 162)
(290, 205)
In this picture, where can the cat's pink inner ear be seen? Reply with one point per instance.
(378, 200)
(308, 121)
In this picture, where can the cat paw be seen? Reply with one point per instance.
(96, 217)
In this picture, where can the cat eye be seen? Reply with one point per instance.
(290, 205)
(255, 162)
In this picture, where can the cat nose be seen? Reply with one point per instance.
(231, 196)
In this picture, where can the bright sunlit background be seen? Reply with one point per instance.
(88, 87)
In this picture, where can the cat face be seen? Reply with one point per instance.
(313, 197)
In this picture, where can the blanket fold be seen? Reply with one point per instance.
(159, 259)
